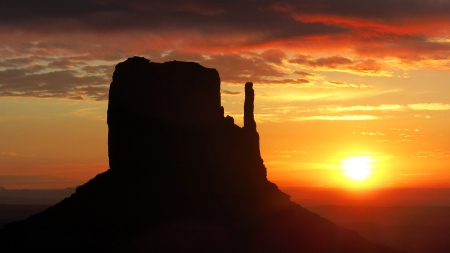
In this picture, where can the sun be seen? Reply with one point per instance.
(357, 168)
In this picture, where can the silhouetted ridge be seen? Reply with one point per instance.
(182, 178)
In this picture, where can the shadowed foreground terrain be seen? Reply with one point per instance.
(417, 229)
(182, 178)
(33, 197)
(9, 213)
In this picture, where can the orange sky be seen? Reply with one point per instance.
(332, 80)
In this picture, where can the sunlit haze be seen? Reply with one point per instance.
(357, 168)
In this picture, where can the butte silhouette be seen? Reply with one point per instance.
(182, 178)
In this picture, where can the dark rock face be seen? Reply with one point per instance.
(182, 178)
(178, 93)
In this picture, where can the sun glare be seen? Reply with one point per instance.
(357, 168)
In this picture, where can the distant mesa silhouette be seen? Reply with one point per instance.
(183, 178)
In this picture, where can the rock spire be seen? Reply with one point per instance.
(249, 118)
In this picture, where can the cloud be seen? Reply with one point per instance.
(233, 67)
(217, 18)
(18, 62)
(227, 92)
(341, 113)
(74, 44)
(55, 84)
(430, 107)
(387, 107)
(241, 68)
(99, 92)
(339, 63)
(99, 69)
(330, 62)
(432, 154)
(202, 9)
(302, 73)
(80, 78)
(368, 13)
(300, 82)
(115, 14)
(63, 63)
(94, 113)
(335, 117)
(391, 107)
(320, 94)
(275, 56)
(220, 26)
(386, 28)
(369, 66)
(337, 84)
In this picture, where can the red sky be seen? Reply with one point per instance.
(333, 80)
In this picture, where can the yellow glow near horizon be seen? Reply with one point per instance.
(357, 168)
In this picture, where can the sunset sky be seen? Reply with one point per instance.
(334, 80)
